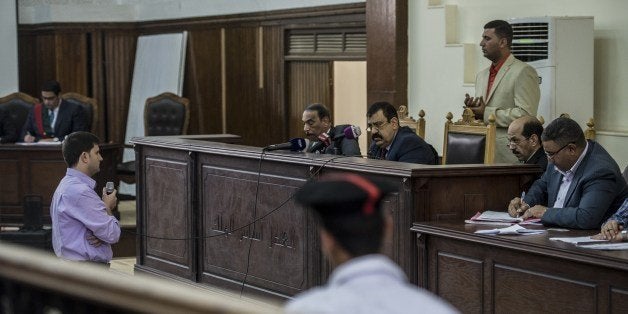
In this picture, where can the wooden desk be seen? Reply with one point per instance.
(204, 195)
(505, 274)
(37, 169)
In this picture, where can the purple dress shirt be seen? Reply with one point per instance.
(78, 212)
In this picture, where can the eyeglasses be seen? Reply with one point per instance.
(551, 155)
(376, 125)
(515, 141)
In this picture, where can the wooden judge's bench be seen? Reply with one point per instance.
(223, 214)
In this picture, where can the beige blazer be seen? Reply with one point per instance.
(515, 93)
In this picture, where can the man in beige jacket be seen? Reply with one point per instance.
(509, 88)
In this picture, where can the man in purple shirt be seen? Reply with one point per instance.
(83, 227)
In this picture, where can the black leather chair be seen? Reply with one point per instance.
(17, 105)
(90, 106)
(164, 114)
(469, 141)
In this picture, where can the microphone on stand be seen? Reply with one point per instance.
(351, 132)
(295, 145)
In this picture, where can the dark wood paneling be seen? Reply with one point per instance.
(273, 86)
(387, 51)
(460, 278)
(168, 176)
(203, 83)
(241, 79)
(119, 58)
(531, 273)
(308, 82)
(71, 62)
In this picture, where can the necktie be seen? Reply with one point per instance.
(51, 117)
(383, 154)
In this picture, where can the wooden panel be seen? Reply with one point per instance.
(459, 279)
(308, 82)
(10, 193)
(272, 252)
(72, 55)
(96, 69)
(169, 215)
(619, 300)
(512, 289)
(387, 51)
(119, 56)
(243, 108)
(203, 83)
(273, 87)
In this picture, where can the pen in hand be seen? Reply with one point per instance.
(521, 204)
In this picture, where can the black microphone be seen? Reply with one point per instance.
(295, 145)
(351, 132)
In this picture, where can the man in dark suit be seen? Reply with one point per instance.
(524, 140)
(324, 137)
(582, 185)
(8, 131)
(393, 142)
(55, 119)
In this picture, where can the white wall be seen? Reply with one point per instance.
(435, 71)
(42, 11)
(8, 50)
(350, 97)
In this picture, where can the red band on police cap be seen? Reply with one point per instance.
(373, 193)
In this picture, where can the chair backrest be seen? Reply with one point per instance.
(166, 114)
(90, 106)
(469, 141)
(416, 126)
(17, 105)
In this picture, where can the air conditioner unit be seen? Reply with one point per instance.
(561, 51)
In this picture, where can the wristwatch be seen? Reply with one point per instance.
(624, 235)
(55, 139)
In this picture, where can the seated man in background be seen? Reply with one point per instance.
(324, 137)
(353, 228)
(524, 140)
(55, 119)
(393, 142)
(8, 131)
(83, 227)
(582, 185)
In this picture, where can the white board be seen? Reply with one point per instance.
(159, 66)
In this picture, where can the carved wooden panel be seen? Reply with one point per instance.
(459, 279)
(10, 193)
(618, 300)
(273, 252)
(168, 214)
(515, 287)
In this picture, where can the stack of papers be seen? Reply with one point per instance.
(588, 243)
(499, 219)
(512, 230)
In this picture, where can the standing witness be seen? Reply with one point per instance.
(55, 119)
(83, 227)
(353, 228)
(509, 88)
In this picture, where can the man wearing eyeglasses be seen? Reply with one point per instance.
(392, 142)
(324, 137)
(582, 186)
(524, 140)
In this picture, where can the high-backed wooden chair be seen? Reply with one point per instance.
(405, 120)
(90, 106)
(164, 114)
(17, 105)
(469, 141)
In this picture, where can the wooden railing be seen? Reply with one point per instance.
(35, 282)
